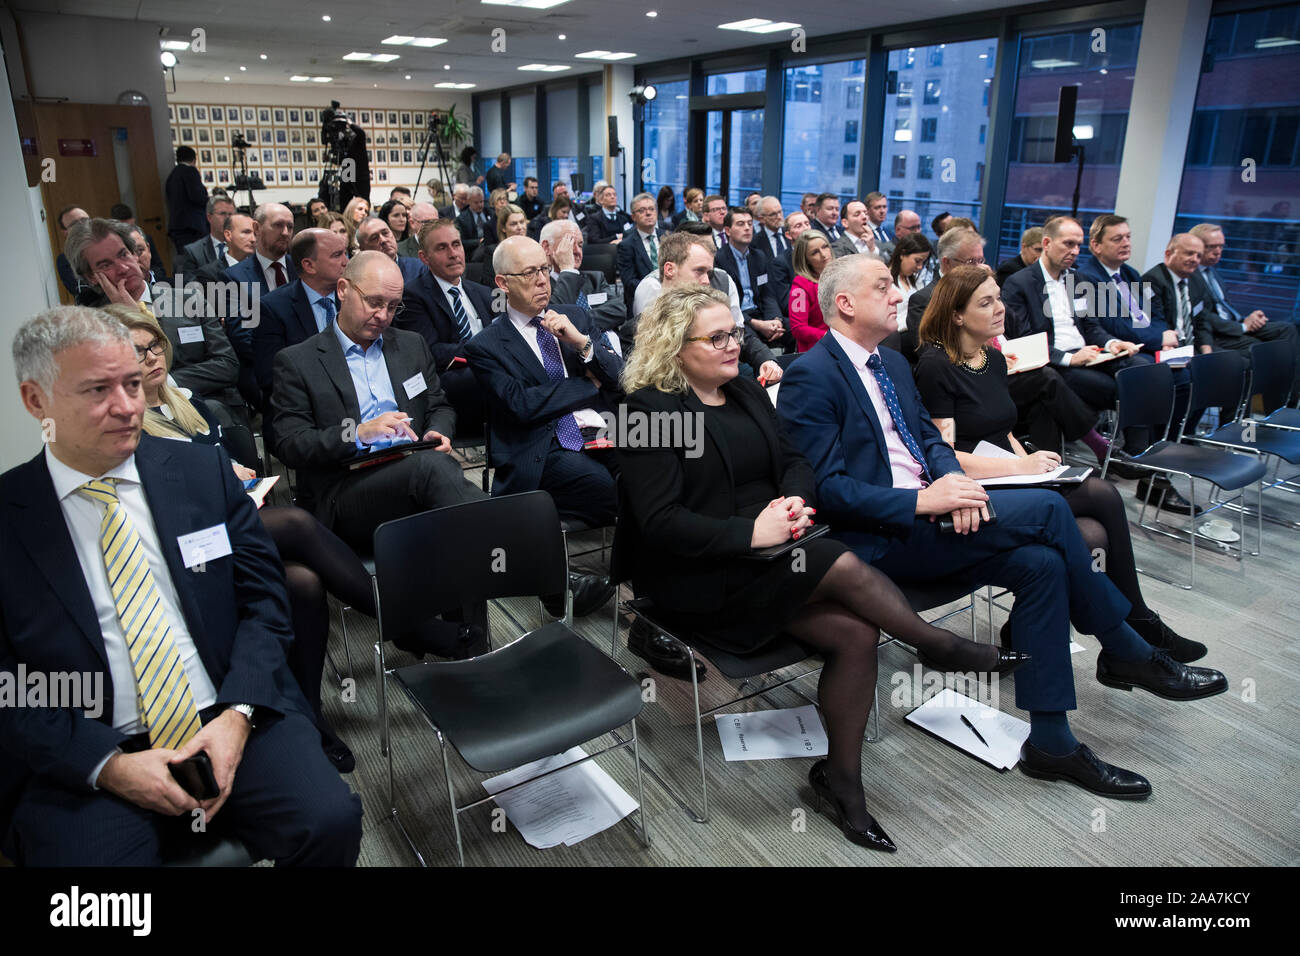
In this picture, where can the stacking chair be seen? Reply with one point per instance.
(1146, 397)
(1273, 364)
(546, 692)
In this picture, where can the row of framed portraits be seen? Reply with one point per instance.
(298, 177)
(184, 114)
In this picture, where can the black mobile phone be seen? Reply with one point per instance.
(946, 526)
(196, 777)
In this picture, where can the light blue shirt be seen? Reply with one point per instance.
(316, 300)
(370, 380)
(746, 293)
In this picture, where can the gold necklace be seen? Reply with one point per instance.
(984, 363)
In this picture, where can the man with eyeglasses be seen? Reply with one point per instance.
(1031, 247)
(639, 257)
(421, 214)
(961, 247)
(606, 224)
(768, 238)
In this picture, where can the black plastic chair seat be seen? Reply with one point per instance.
(1285, 445)
(1284, 417)
(537, 697)
(1225, 469)
(781, 651)
(208, 849)
(576, 526)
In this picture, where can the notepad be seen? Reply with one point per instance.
(1065, 475)
(1003, 734)
(259, 488)
(1175, 358)
(1026, 353)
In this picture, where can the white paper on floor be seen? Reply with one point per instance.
(772, 734)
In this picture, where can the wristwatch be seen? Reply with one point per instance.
(586, 349)
(247, 711)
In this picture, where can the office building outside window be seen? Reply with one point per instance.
(823, 113)
(664, 140)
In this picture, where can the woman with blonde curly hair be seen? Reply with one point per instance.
(694, 513)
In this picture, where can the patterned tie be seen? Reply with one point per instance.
(778, 242)
(566, 426)
(583, 302)
(653, 249)
(1140, 320)
(1219, 297)
(280, 277)
(221, 252)
(162, 689)
(458, 310)
(891, 402)
(327, 303)
(1184, 309)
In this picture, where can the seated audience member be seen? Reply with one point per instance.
(907, 264)
(751, 203)
(858, 236)
(639, 257)
(883, 472)
(906, 223)
(419, 215)
(303, 308)
(607, 224)
(212, 247)
(447, 310)
(940, 223)
(877, 209)
(395, 214)
(560, 190)
(961, 247)
(123, 213)
(812, 253)
(142, 246)
(316, 207)
(686, 257)
(1031, 247)
(750, 271)
(467, 172)
(692, 520)
(459, 202)
(782, 270)
(267, 269)
(826, 217)
(95, 790)
(768, 237)
(715, 217)
(560, 208)
(241, 239)
(962, 382)
(373, 235)
(530, 202)
(808, 205)
(496, 201)
(72, 281)
(666, 207)
(1108, 279)
(692, 206)
(586, 288)
(333, 221)
(400, 194)
(511, 221)
(355, 213)
(1230, 328)
(474, 223)
(314, 559)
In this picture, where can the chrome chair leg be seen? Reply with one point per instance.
(640, 786)
(451, 796)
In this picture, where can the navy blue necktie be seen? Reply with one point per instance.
(458, 310)
(566, 426)
(895, 412)
(327, 303)
(583, 302)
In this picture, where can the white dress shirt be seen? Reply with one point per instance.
(268, 273)
(475, 321)
(1065, 334)
(587, 417)
(83, 517)
(1183, 317)
(865, 244)
(648, 289)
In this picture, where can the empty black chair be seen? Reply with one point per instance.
(546, 692)
(1273, 367)
(603, 258)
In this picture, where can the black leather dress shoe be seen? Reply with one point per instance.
(1083, 769)
(590, 593)
(447, 639)
(1004, 635)
(337, 751)
(1162, 676)
(873, 837)
(661, 653)
(1007, 661)
(1159, 634)
(1120, 468)
(1164, 495)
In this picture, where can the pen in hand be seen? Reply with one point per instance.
(967, 722)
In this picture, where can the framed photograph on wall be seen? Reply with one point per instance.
(313, 175)
(171, 113)
(365, 117)
(183, 114)
(218, 134)
(279, 117)
(406, 119)
(217, 113)
(311, 157)
(223, 175)
(250, 134)
(297, 157)
(208, 177)
(295, 136)
(417, 120)
(298, 176)
(407, 138)
(266, 135)
(392, 118)
(175, 135)
(268, 157)
(308, 117)
(264, 116)
(284, 175)
(383, 175)
(268, 176)
(205, 157)
(187, 134)
(232, 114)
(281, 136)
(200, 114)
(310, 136)
(250, 115)
(295, 117)
(406, 157)
(223, 157)
(282, 157)
(205, 135)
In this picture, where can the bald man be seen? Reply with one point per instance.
(421, 214)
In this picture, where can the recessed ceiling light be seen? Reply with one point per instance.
(563, 37)
(408, 76)
(402, 40)
(544, 67)
(758, 25)
(175, 45)
(372, 57)
(529, 4)
(651, 13)
(243, 69)
(322, 79)
(299, 79)
(455, 86)
(446, 66)
(326, 18)
(602, 55)
(226, 78)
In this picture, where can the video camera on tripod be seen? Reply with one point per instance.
(243, 180)
(344, 143)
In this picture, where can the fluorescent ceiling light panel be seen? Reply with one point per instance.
(322, 79)
(602, 55)
(1266, 43)
(372, 57)
(544, 67)
(175, 44)
(399, 40)
(1052, 64)
(758, 25)
(455, 86)
(526, 4)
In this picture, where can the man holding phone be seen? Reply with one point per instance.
(142, 562)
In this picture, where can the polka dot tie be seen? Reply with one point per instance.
(895, 412)
(566, 426)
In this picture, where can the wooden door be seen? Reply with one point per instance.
(87, 142)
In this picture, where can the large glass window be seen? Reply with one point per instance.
(1242, 169)
(945, 122)
(739, 81)
(734, 144)
(1103, 67)
(823, 110)
(664, 139)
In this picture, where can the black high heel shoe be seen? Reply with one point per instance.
(1007, 661)
(873, 837)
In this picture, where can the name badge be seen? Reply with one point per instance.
(189, 334)
(579, 216)
(1081, 304)
(199, 547)
(414, 385)
(761, 280)
(597, 298)
(1196, 309)
(627, 226)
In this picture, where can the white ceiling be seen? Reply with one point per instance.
(296, 40)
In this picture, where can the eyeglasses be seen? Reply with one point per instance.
(977, 261)
(720, 340)
(530, 274)
(376, 302)
(156, 349)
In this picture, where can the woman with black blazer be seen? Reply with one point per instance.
(731, 483)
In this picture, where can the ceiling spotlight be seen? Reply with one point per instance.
(326, 18)
(563, 37)
(446, 66)
(408, 76)
(243, 69)
(263, 56)
(226, 78)
(168, 59)
(651, 13)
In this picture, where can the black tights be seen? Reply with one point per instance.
(1103, 522)
(843, 619)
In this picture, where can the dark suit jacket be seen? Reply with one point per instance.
(470, 232)
(829, 416)
(633, 261)
(197, 254)
(1025, 297)
(1206, 321)
(781, 278)
(762, 242)
(682, 527)
(236, 610)
(187, 204)
(287, 319)
(608, 315)
(425, 310)
(820, 227)
(1009, 267)
(535, 226)
(1112, 310)
(249, 269)
(523, 402)
(314, 397)
(596, 228)
(760, 280)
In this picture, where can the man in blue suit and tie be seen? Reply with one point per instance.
(267, 269)
(122, 551)
(884, 479)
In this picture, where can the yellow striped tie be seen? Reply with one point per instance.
(162, 688)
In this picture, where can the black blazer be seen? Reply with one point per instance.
(822, 228)
(633, 262)
(523, 402)
(314, 398)
(760, 280)
(236, 610)
(470, 230)
(1206, 321)
(187, 204)
(679, 529)
(1025, 297)
(197, 254)
(763, 243)
(425, 310)
(781, 278)
(287, 319)
(596, 228)
(1009, 267)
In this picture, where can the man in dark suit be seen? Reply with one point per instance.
(374, 235)
(587, 288)
(187, 200)
(858, 236)
(212, 247)
(447, 310)
(421, 214)
(768, 236)
(1114, 290)
(638, 257)
(1031, 247)
(714, 215)
(884, 477)
(475, 225)
(877, 209)
(267, 269)
(750, 271)
(67, 218)
(88, 780)
(606, 224)
(826, 216)
(782, 268)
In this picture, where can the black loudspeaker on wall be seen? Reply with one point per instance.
(613, 135)
(1065, 124)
